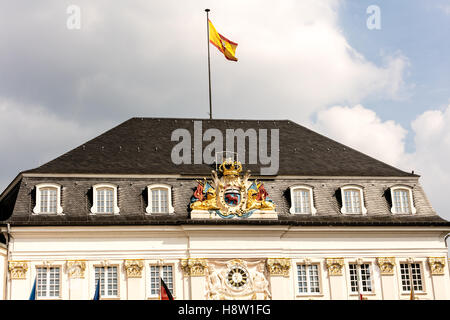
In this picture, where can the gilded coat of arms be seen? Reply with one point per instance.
(231, 195)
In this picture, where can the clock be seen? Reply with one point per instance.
(237, 277)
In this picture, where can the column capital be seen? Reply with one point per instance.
(335, 266)
(76, 268)
(194, 267)
(437, 265)
(18, 269)
(278, 266)
(386, 265)
(133, 267)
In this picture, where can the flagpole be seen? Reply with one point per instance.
(209, 64)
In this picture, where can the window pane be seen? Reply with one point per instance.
(314, 278)
(301, 278)
(154, 280)
(352, 201)
(48, 199)
(406, 271)
(308, 278)
(47, 282)
(401, 201)
(105, 200)
(301, 201)
(160, 200)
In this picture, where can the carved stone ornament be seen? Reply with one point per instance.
(75, 268)
(386, 265)
(437, 265)
(278, 266)
(134, 268)
(18, 269)
(335, 266)
(237, 279)
(231, 196)
(194, 267)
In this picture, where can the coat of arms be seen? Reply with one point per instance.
(231, 195)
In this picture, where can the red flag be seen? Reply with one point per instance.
(165, 292)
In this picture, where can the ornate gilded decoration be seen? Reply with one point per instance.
(335, 266)
(386, 265)
(134, 268)
(76, 268)
(18, 269)
(194, 267)
(437, 265)
(237, 279)
(231, 195)
(278, 266)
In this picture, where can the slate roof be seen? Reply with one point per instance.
(143, 146)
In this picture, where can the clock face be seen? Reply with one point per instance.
(237, 277)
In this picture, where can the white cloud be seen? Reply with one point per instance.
(432, 156)
(362, 129)
(30, 136)
(149, 58)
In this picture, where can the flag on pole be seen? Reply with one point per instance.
(33, 291)
(164, 292)
(97, 291)
(227, 47)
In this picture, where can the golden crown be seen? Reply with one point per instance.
(230, 167)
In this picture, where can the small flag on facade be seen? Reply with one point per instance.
(227, 47)
(97, 291)
(33, 291)
(165, 292)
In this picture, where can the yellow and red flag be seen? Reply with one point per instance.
(227, 47)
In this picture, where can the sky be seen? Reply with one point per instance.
(384, 91)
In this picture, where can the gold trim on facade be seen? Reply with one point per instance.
(18, 269)
(386, 265)
(278, 266)
(133, 268)
(335, 266)
(194, 267)
(76, 268)
(437, 265)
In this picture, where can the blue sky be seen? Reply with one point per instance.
(416, 29)
(384, 92)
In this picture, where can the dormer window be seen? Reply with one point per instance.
(302, 200)
(402, 200)
(48, 199)
(159, 199)
(105, 199)
(352, 200)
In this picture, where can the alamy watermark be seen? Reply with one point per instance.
(73, 21)
(374, 20)
(190, 150)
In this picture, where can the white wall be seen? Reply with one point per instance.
(55, 245)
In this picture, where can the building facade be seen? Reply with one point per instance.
(313, 219)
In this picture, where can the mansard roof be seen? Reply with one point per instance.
(143, 146)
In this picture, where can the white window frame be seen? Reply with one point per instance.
(410, 195)
(94, 208)
(292, 190)
(39, 187)
(361, 198)
(166, 187)
(319, 273)
(106, 296)
(46, 297)
(160, 268)
(422, 277)
(359, 279)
